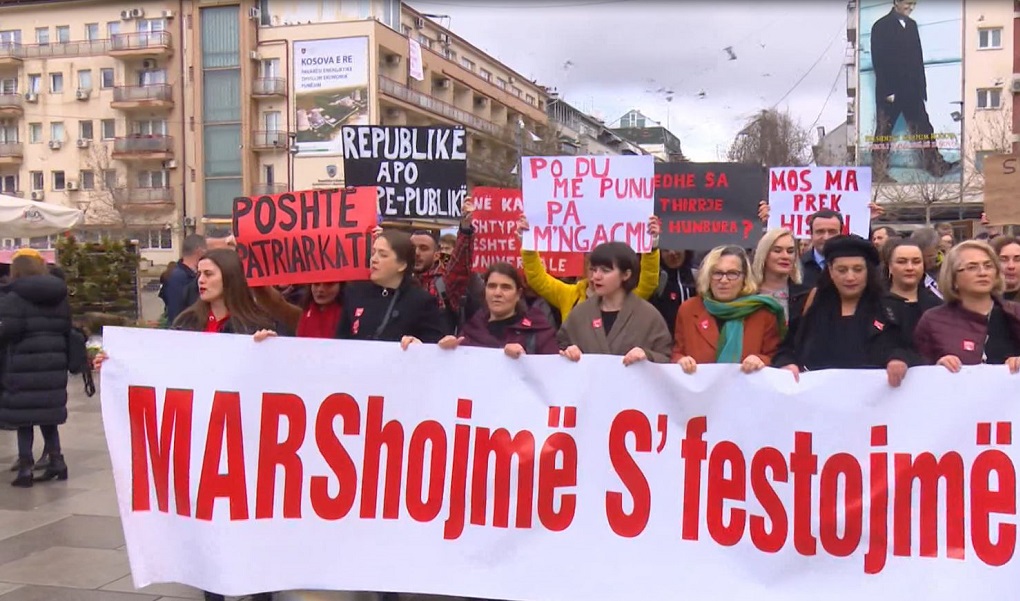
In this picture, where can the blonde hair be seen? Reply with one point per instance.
(761, 254)
(712, 259)
(951, 263)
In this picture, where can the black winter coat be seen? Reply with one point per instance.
(414, 313)
(35, 321)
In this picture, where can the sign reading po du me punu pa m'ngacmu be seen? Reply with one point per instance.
(419, 172)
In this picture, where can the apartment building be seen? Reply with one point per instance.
(583, 134)
(970, 61)
(152, 115)
(90, 114)
(650, 135)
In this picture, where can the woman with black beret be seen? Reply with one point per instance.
(847, 323)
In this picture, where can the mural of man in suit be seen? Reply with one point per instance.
(901, 89)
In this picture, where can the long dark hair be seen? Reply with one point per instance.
(403, 248)
(827, 293)
(245, 315)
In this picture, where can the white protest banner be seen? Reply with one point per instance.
(305, 464)
(797, 192)
(576, 203)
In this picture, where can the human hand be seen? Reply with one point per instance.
(752, 364)
(688, 364)
(571, 352)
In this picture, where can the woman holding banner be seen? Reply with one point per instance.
(614, 320)
(846, 323)
(776, 271)
(728, 322)
(390, 306)
(563, 296)
(506, 322)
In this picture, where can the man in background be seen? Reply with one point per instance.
(181, 281)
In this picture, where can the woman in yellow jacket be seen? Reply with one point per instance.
(563, 296)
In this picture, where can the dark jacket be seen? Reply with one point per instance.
(952, 330)
(810, 268)
(675, 287)
(898, 60)
(798, 299)
(810, 341)
(414, 313)
(35, 321)
(192, 322)
(909, 314)
(530, 329)
(176, 291)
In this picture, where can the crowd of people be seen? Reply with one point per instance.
(844, 302)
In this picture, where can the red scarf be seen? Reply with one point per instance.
(319, 321)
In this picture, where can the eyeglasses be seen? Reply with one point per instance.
(727, 275)
(977, 267)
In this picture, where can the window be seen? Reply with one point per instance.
(85, 79)
(9, 184)
(42, 35)
(501, 83)
(467, 63)
(989, 98)
(406, 30)
(57, 131)
(34, 83)
(10, 37)
(272, 121)
(270, 68)
(151, 77)
(92, 32)
(8, 132)
(152, 127)
(486, 75)
(518, 92)
(37, 180)
(57, 83)
(153, 179)
(108, 129)
(112, 28)
(110, 179)
(63, 34)
(150, 25)
(85, 130)
(35, 133)
(105, 78)
(268, 175)
(425, 41)
(990, 38)
(9, 85)
(87, 179)
(59, 180)
(530, 99)
(449, 54)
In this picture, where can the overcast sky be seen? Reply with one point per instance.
(609, 56)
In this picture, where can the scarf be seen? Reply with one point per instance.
(733, 313)
(319, 322)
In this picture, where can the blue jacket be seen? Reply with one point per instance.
(176, 290)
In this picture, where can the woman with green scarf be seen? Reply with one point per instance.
(728, 322)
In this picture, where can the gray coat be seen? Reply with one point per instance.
(639, 324)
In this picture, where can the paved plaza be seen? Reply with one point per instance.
(62, 541)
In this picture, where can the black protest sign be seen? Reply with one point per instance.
(420, 172)
(704, 205)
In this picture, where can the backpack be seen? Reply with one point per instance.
(78, 358)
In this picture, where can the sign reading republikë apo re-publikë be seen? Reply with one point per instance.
(419, 172)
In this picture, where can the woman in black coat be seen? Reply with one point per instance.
(35, 322)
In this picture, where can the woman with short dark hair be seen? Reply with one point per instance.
(614, 321)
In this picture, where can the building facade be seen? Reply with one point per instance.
(582, 134)
(152, 116)
(651, 136)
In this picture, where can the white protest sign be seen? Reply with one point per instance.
(576, 203)
(797, 192)
(304, 464)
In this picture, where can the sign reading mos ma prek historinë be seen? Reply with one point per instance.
(419, 172)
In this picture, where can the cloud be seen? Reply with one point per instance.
(628, 54)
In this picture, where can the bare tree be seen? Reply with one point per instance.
(772, 139)
(109, 194)
(990, 132)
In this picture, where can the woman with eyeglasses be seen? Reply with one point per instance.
(847, 323)
(727, 322)
(975, 325)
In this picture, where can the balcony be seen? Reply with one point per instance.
(11, 54)
(145, 199)
(267, 87)
(261, 189)
(149, 97)
(14, 193)
(141, 45)
(11, 153)
(401, 92)
(143, 148)
(275, 139)
(11, 105)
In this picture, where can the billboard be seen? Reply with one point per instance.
(330, 91)
(910, 87)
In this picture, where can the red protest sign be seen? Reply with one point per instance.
(495, 220)
(305, 237)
